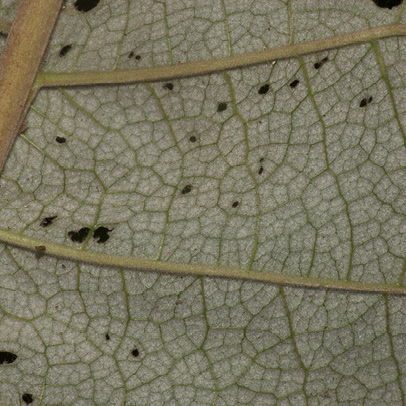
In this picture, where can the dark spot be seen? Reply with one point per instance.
(65, 50)
(294, 83)
(86, 5)
(169, 86)
(79, 236)
(388, 3)
(137, 57)
(261, 169)
(221, 107)
(107, 337)
(263, 89)
(7, 357)
(60, 140)
(47, 221)
(131, 54)
(27, 398)
(187, 189)
(40, 251)
(192, 138)
(365, 101)
(135, 352)
(261, 160)
(101, 234)
(319, 64)
(235, 204)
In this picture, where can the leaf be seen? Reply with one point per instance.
(289, 172)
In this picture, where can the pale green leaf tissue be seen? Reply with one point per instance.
(303, 178)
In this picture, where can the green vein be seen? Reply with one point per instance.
(388, 87)
(252, 176)
(290, 19)
(158, 73)
(172, 132)
(323, 124)
(149, 265)
(392, 350)
(227, 27)
(168, 37)
(292, 337)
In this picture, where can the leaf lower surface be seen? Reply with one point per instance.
(302, 180)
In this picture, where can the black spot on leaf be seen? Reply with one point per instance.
(7, 357)
(221, 107)
(107, 337)
(40, 251)
(264, 89)
(27, 398)
(131, 54)
(135, 352)
(192, 138)
(79, 236)
(388, 3)
(261, 169)
(47, 221)
(319, 64)
(235, 204)
(365, 101)
(65, 50)
(101, 234)
(294, 83)
(169, 86)
(137, 57)
(60, 140)
(187, 189)
(86, 5)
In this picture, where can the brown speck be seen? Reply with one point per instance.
(365, 101)
(319, 64)
(47, 221)
(187, 189)
(294, 83)
(60, 140)
(64, 50)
